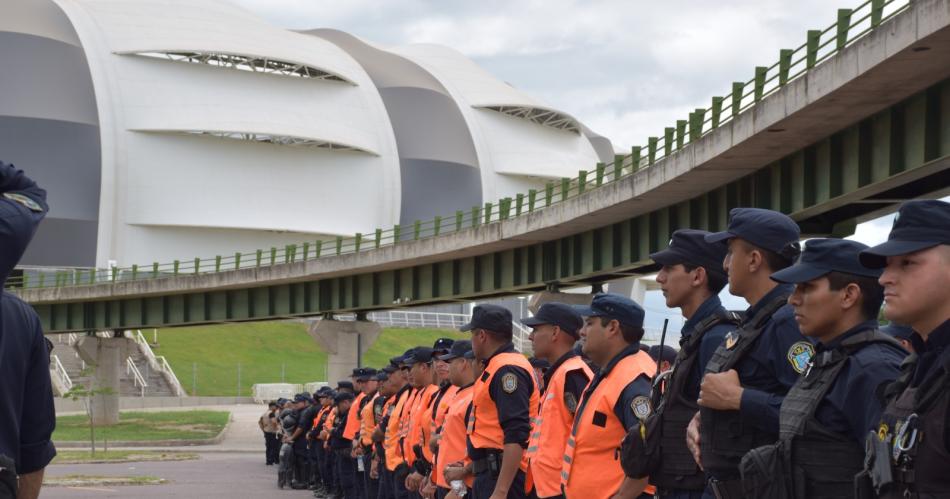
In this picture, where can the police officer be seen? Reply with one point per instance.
(452, 452)
(690, 278)
(503, 400)
(321, 478)
(269, 426)
(362, 441)
(616, 399)
(749, 374)
(26, 402)
(439, 409)
(306, 410)
(554, 330)
(827, 414)
(396, 430)
(342, 446)
(910, 454)
(422, 377)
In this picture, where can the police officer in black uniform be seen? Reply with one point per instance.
(341, 446)
(307, 411)
(909, 454)
(691, 278)
(27, 417)
(827, 414)
(749, 374)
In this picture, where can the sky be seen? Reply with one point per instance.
(625, 68)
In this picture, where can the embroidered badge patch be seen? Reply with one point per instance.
(641, 407)
(799, 355)
(509, 383)
(24, 200)
(570, 401)
(731, 339)
(882, 432)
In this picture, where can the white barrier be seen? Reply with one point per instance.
(265, 392)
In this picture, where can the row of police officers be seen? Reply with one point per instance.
(802, 395)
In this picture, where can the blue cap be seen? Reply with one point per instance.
(766, 229)
(689, 246)
(419, 354)
(557, 314)
(389, 369)
(621, 308)
(490, 317)
(665, 352)
(324, 391)
(918, 225)
(344, 384)
(898, 331)
(381, 375)
(365, 373)
(282, 401)
(469, 354)
(303, 397)
(342, 396)
(443, 344)
(822, 256)
(459, 348)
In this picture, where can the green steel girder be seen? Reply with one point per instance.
(899, 153)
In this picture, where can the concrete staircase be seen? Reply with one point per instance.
(156, 384)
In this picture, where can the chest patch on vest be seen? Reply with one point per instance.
(731, 339)
(570, 401)
(799, 355)
(23, 200)
(599, 419)
(882, 432)
(509, 383)
(641, 407)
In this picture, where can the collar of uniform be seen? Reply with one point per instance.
(860, 327)
(626, 352)
(781, 289)
(550, 372)
(506, 348)
(709, 307)
(937, 340)
(466, 387)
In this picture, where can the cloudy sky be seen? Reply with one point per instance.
(625, 68)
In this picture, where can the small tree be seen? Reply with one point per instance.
(87, 395)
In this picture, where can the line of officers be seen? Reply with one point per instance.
(802, 395)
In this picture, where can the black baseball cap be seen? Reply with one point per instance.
(622, 309)
(365, 374)
(557, 314)
(918, 225)
(324, 391)
(344, 384)
(381, 375)
(822, 256)
(665, 352)
(459, 348)
(342, 396)
(689, 246)
(303, 397)
(766, 229)
(490, 317)
(443, 344)
(419, 354)
(389, 369)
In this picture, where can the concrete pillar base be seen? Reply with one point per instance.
(106, 357)
(345, 342)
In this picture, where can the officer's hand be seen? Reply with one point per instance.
(721, 391)
(413, 481)
(692, 439)
(428, 490)
(451, 495)
(454, 471)
(374, 469)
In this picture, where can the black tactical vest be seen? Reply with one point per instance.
(823, 463)
(725, 436)
(678, 469)
(913, 432)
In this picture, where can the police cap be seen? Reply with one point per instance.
(822, 256)
(459, 349)
(918, 225)
(610, 306)
(689, 246)
(490, 317)
(766, 229)
(557, 314)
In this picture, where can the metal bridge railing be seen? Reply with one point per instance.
(57, 370)
(851, 25)
(138, 379)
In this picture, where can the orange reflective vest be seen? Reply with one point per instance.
(452, 444)
(352, 425)
(393, 440)
(368, 422)
(549, 431)
(417, 416)
(484, 428)
(591, 467)
(438, 416)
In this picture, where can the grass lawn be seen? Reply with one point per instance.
(206, 358)
(93, 480)
(145, 426)
(118, 456)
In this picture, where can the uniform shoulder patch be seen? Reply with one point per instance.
(731, 339)
(509, 383)
(570, 401)
(641, 407)
(799, 355)
(24, 200)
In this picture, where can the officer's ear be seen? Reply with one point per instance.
(851, 296)
(699, 277)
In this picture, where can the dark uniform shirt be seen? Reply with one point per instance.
(639, 386)
(27, 417)
(853, 404)
(707, 346)
(337, 441)
(772, 367)
(514, 407)
(575, 381)
(305, 423)
(931, 355)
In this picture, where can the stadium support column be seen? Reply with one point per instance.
(345, 343)
(106, 359)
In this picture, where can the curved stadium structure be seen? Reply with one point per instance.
(174, 128)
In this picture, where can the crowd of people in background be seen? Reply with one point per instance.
(804, 394)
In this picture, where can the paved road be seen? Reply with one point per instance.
(233, 468)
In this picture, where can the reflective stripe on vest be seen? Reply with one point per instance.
(484, 429)
(549, 431)
(591, 467)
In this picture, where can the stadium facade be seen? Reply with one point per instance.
(167, 129)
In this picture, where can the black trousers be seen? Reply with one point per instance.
(271, 447)
(385, 483)
(485, 482)
(372, 484)
(346, 471)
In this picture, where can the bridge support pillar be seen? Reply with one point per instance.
(345, 342)
(107, 357)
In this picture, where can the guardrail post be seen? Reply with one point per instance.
(397, 233)
(273, 255)
(237, 260)
(532, 198)
(217, 264)
(565, 188)
(357, 241)
(437, 228)
(115, 273)
(599, 178)
(811, 48)
(379, 238)
(877, 12)
(519, 204)
(260, 255)
(635, 158)
(317, 248)
(680, 133)
(306, 250)
(416, 229)
(548, 194)
(651, 150)
(459, 217)
(784, 65)
(844, 25)
(339, 245)
(290, 253)
(668, 140)
(618, 166)
(696, 124)
(42, 284)
(197, 265)
(716, 111)
(760, 72)
(581, 181)
(475, 216)
(504, 208)
(487, 213)
(154, 270)
(135, 271)
(737, 88)
(175, 266)
(26, 281)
